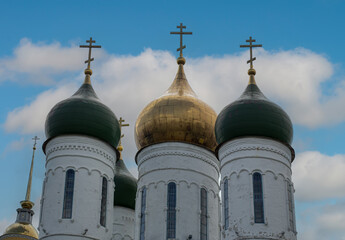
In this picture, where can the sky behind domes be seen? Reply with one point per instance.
(300, 67)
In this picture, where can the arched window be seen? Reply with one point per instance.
(68, 195)
(103, 216)
(291, 207)
(203, 216)
(171, 213)
(226, 204)
(142, 214)
(258, 198)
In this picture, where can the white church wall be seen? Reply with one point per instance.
(191, 167)
(124, 223)
(91, 160)
(240, 158)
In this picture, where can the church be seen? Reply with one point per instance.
(200, 176)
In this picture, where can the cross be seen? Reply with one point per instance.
(251, 50)
(121, 121)
(35, 139)
(181, 33)
(90, 46)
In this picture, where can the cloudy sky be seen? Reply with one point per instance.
(300, 67)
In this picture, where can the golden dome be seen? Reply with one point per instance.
(177, 116)
(19, 231)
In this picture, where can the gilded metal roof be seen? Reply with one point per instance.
(20, 231)
(178, 115)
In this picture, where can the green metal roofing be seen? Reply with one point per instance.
(83, 113)
(253, 115)
(125, 186)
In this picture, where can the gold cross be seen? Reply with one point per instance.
(121, 121)
(35, 139)
(90, 46)
(251, 50)
(181, 34)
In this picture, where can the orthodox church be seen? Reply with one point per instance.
(200, 176)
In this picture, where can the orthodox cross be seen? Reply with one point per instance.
(35, 139)
(121, 121)
(181, 27)
(251, 50)
(90, 46)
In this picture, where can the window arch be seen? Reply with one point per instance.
(171, 212)
(142, 214)
(226, 204)
(258, 198)
(203, 216)
(68, 194)
(103, 215)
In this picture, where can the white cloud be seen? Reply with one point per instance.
(317, 176)
(322, 222)
(39, 62)
(31, 118)
(127, 83)
(4, 223)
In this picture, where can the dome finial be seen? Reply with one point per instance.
(121, 123)
(251, 71)
(88, 71)
(27, 203)
(181, 59)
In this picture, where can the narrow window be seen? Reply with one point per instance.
(226, 204)
(291, 207)
(68, 196)
(171, 213)
(142, 214)
(203, 217)
(258, 198)
(104, 202)
(42, 198)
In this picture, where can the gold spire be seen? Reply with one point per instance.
(120, 147)
(27, 203)
(251, 71)
(88, 71)
(181, 59)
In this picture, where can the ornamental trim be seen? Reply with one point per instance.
(254, 147)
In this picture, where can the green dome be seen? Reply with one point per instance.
(125, 186)
(83, 113)
(253, 115)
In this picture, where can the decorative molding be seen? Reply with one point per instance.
(79, 147)
(178, 153)
(252, 148)
(177, 183)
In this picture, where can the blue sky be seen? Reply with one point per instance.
(301, 67)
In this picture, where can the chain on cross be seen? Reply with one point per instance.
(250, 40)
(90, 46)
(181, 33)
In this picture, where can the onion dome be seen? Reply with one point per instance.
(83, 113)
(125, 185)
(22, 228)
(252, 114)
(177, 116)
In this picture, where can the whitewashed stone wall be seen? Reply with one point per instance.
(124, 223)
(191, 167)
(92, 160)
(241, 158)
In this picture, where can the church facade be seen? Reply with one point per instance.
(200, 176)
